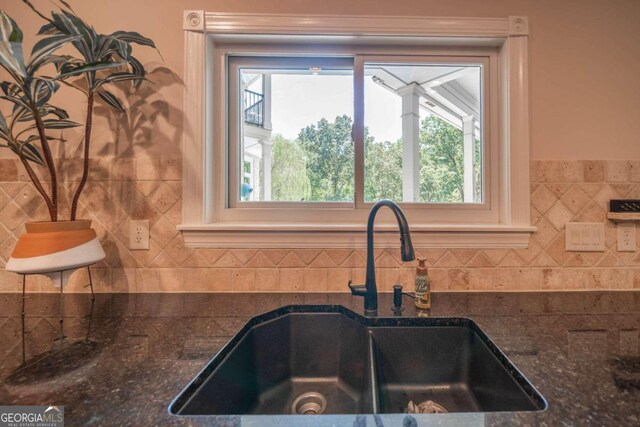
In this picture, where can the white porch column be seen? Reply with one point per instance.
(411, 94)
(266, 169)
(266, 144)
(266, 101)
(468, 129)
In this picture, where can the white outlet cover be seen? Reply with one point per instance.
(139, 234)
(584, 236)
(626, 236)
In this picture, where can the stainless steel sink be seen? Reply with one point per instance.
(329, 360)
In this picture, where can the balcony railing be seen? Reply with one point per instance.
(253, 108)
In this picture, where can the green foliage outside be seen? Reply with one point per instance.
(441, 161)
(289, 180)
(318, 165)
(330, 158)
(383, 170)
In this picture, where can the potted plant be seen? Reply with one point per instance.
(34, 122)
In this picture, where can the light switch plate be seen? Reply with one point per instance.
(626, 236)
(139, 234)
(584, 236)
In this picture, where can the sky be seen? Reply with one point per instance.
(301, 100)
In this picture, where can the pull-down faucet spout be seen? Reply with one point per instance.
(369, 290)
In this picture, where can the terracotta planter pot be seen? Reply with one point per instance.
(50, 247)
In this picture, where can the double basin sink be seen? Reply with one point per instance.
(330, 360)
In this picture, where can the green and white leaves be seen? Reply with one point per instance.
(23, 148)
(75, 69)
(29, 93)
(42, 52)
(4, 129)
(104, 58)
(98, 52)
(11, 55)
(111, 100)
(9, 30)
(27, 150)
(101, 59)
(59, 124)
(133, 37)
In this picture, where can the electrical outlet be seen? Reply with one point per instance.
(626, 236)
(139, 234)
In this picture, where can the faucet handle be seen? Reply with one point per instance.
(397, 297)
(358, 290)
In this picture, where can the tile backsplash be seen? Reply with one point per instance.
(149, 188)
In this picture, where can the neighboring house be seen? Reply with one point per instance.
(256, 132)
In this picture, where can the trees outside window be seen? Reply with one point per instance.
(318, 164)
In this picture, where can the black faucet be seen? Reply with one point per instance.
(369, 290)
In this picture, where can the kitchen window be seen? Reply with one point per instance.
(302, 134)
(292, 118)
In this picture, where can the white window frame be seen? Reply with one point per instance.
(207, 34)
(227, 209)
(226, 186)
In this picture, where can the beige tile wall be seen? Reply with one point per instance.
(149, 188)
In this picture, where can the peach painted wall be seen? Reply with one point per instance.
(585, 56)
(585, 59)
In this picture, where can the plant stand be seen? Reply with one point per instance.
(61, 272)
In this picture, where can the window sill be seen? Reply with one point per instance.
(315, 236)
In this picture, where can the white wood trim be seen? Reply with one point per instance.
(358, 131)
(249, 23)
(319, 227)
(351, 236)
(202, 29)
(193, 20)
(518, 129)
(518, 26)
(193, 133)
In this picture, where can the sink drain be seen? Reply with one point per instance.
(426, 407)
(310, 403)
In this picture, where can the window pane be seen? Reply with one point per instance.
(296, 132)
(423, 136)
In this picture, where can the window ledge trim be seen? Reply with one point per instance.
(315, 236)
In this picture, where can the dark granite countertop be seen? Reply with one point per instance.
(124, 358)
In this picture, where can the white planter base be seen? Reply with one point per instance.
(66, 261)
